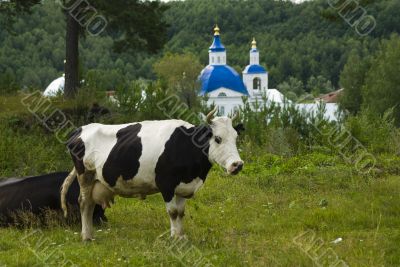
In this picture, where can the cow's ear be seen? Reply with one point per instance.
(239, 128)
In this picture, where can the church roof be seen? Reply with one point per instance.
(254, 69)
(217, 45)
(214, 77)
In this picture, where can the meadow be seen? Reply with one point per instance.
(305, 196)
(310, 208)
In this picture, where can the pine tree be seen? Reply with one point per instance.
(352, 79)
(382, 86)
(135, 25)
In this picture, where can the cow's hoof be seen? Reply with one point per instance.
(179, 237)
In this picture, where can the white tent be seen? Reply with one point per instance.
(55, 87)
(274, 95)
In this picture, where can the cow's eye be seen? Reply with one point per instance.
(218, 139)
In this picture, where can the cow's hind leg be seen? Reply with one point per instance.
(176, 211)
(87, 204)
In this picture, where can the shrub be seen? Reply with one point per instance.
(282, 129)
(377, 133)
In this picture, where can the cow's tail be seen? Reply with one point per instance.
(64, 190)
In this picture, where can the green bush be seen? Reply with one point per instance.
(282, 129)
(377, 133)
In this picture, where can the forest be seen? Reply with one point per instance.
(305, 42)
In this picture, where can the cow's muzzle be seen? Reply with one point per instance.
(236, 167)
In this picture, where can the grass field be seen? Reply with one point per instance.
(254, 219)
(280, 211)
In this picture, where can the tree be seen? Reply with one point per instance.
(8, 83)
(319, 85)
(13, 7)
(180, 72)
(382, 83)
(72, 57)
(352, 80)
(30, 79)
(292, 88)
(293, 40)
(134, 24)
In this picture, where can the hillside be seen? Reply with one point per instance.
(302, 40)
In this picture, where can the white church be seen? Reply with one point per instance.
(223, 85)
(225, 88)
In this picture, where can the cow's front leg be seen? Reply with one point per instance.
(176, 211)
(87, 205)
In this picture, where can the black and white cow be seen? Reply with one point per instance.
(36, 194)
(138, 159)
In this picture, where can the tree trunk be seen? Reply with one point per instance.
(72, 57)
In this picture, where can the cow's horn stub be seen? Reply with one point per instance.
(210, 115)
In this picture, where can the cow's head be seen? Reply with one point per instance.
(223, 148)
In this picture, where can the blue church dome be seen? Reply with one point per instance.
(217, 46)
(214, 77)
(254, 69)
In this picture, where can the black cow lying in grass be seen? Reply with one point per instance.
(20, 198)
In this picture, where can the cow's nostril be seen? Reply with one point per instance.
(237, 166)
(240, 167)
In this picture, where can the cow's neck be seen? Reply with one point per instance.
(201, 140)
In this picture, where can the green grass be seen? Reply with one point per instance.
(247, 220)
(251, 219)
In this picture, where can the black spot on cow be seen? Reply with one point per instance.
(37, 194)
(185, 158)
(123, 159)
(76, 148)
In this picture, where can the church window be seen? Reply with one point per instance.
(212, 59)
(222, 94)
(257, 84)
(221, 111)
(219, 59)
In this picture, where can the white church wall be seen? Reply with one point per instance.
(229, 105)
(221, 91)
(331, 113)
(226, 105)
(249, 78)
(217, 58)
(254, 58)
